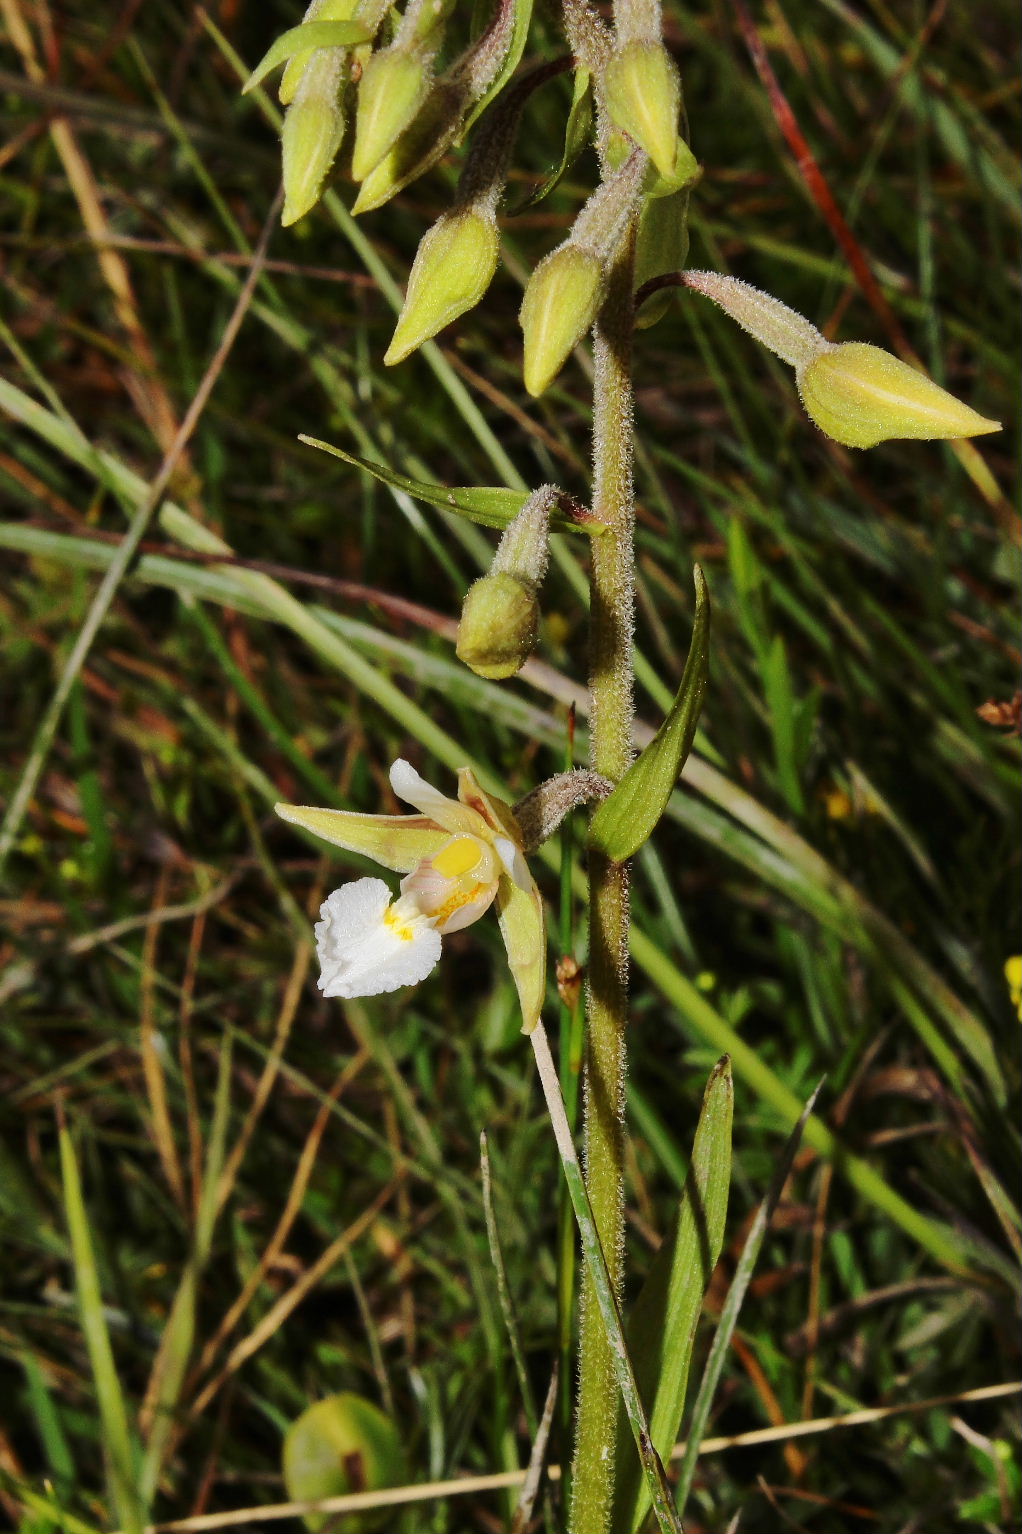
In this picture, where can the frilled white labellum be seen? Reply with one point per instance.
(368, 944)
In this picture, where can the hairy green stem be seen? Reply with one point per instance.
(613, 576)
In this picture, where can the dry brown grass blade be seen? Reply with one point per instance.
(277, 1315)
(474, 1485)
(143, 384)
(292, 1206)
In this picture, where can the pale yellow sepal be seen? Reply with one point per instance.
(453, 267)
(643, 96)
(861, 395)
(398, 842)
(416, 149)
(561, 302)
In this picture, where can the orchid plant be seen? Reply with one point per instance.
(611, 276)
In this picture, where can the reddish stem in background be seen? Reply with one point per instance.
(816, 183)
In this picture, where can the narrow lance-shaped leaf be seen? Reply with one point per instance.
(311, 34)
(661, 1328)
(628, 817)
(576, 136)
(113, 1415)
(516, 47)
(489, 505)
(714, 1366)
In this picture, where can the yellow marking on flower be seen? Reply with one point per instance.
(456, 901)
(405, 930)
(460, 856)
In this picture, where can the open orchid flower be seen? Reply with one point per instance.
(459, 856)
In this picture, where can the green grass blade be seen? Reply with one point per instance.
(652, 1466)
(120, 1456)
(732, 1305)
(662, 1325)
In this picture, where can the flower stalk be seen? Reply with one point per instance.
(612, 586)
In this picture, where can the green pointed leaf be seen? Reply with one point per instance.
(490, 505)
(662, 1326)
(628, 817)
(519, 34)
(576, 136)
(310, 35)
(725, 1328)
(110, 1401)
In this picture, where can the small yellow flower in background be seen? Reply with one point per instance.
(1013, 975)
(459, 857)
(837, 803)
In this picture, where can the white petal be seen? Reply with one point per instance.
(513, 859)
(448, 813)
(367, 945)
(414, 790)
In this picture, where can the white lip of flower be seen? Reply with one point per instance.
(459, 856)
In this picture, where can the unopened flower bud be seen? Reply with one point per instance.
(417, 148)
(500, 616)
(498, 626)
(340, 1445)
(453, 267)
(311, 134)
(860, 395)
(643, 95)
(392, 89)
(561, 302)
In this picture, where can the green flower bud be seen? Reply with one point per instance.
(860, 395)
(416, 149)
(561, 302)
(392, 89)
(312, 133)
(685, 174)
(643, 95)
(501, 612)
(498, 626)
(340, 1445)
(453, 267)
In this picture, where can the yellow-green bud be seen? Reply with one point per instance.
(643, 95)
(453, 267)
(561, 302)
(311, 134)
(416, 149)
(498, 625)
(340, 1445)
(858, 394)
(390, 93)
(861, 395)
